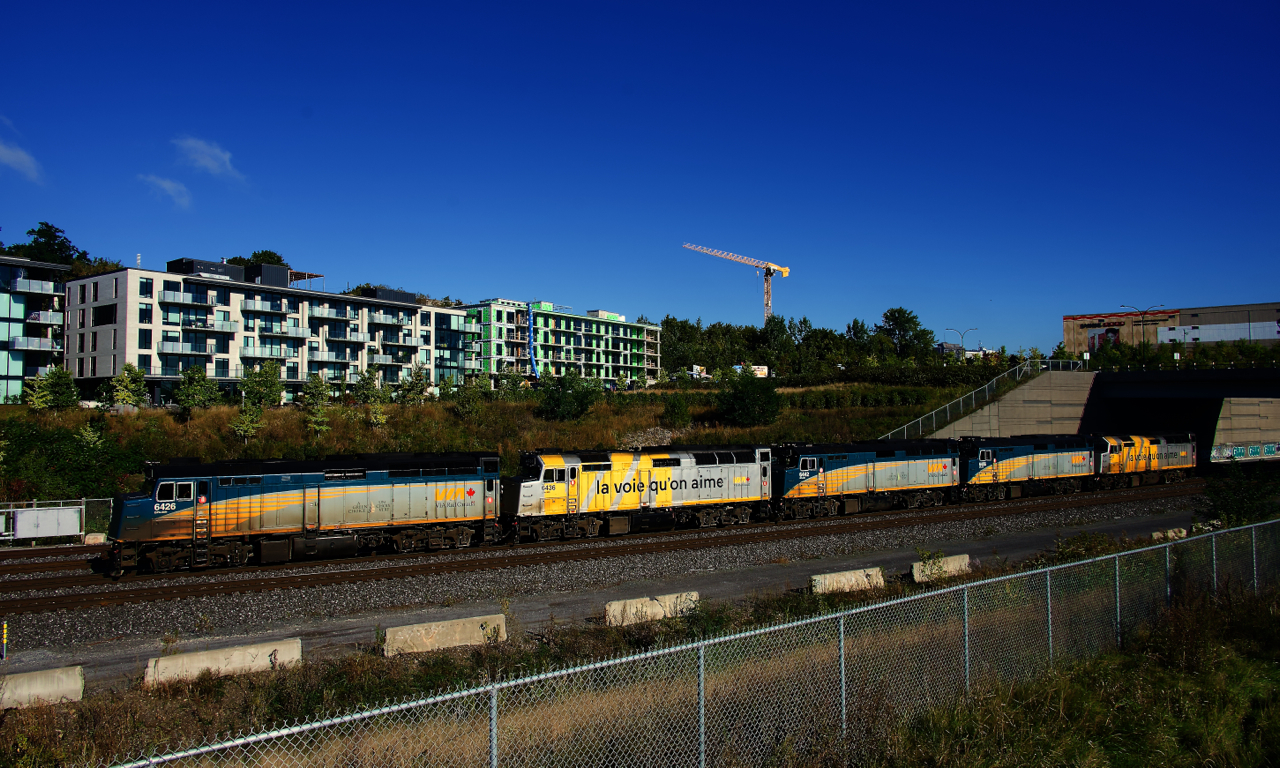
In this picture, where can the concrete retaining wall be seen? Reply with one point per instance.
(1248, 421)
(434, 635)
(238, 659)
(1050, 404)
(620, 613)
(947, 566)
(846, 581)
(46, 686)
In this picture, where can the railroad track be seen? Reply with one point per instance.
(27, 553)
(545, 556)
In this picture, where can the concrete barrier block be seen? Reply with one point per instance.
(95, 538)
(1157, 535)
(48, 686)
(434, 635)
(236, 660)
(941, 568)
(846, 581)
(1176, 533)
(677, 604)
(620, 613)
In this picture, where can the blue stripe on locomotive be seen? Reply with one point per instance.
(831, 458)
(970, 468)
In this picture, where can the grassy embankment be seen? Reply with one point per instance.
(131, 718)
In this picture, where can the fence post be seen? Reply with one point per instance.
(493, 726)
(1048, 604)
(966, 639)
(702, 705)
(1213, 543)
(844, 701)
(1253, 541)
(1117, 601)
(1168, 582)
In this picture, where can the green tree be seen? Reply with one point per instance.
(903, 331)
(569, 397)
(128, 387)
(35, 393)
(63, 394)
(511, 386)
(259, 257)
(262, 387)
(366, 390)
(196, 390)
(314, 399)
(416, 388)
(247, 423)
(750, 401)
(52, 246)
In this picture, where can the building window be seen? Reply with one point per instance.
(80, 367)
(115, 291)
(93, 343)
(95, 290)
(113, 346)
(104, 315)
(144, 363)
(173, 285)
(83, 286)
(145, 287)
(80, 344)
(222, 368)
(144, 314)
(144, 338)
(113, 365)
(93, 366)
(80, 318)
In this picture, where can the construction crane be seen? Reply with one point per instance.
(769, 268)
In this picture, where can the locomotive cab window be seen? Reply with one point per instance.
(488, 485)
(808, 464)
(164, 492)
(764, 456)
(202, 488)
(185, 491)
(573, 473)
(490, 466)
(984, 455)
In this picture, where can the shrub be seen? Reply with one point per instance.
(749, 401)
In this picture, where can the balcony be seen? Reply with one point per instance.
(473, 346)
(381, 319)
(46, 318)
(239, 371)
(333, 314)
(470, 328)
(264, 306)
(332, 357)
(382, 360)
(182, 348)
(41, 287)
(470, 365)
(173, 370)
(178, 297)
(350, 377)
(35, 344)
(221, 326)
(400, 341)
(274, 353)
(290, 331)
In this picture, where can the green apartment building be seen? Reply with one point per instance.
(600, 345)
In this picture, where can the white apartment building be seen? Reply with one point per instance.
(230, 319)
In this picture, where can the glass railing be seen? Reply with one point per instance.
(268, 352)
(35, 344)
(45, 287)
(46, 318)
(183, 348)
(178, 297)
(264, 306)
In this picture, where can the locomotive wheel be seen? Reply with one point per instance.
(1001, 492)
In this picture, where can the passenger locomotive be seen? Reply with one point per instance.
(232, 513)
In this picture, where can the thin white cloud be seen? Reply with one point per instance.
(9, 123)
(19, 160)
(175, 189)
(207, 156)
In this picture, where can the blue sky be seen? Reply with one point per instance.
(989, 165)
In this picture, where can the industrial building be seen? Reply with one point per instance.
(1258, 323)
(31, 310)
(230, 319)
(518, 335)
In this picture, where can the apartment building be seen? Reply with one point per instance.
(31, 321)
(231, 319)
(518, 335)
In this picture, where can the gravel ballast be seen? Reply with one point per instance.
(253, 612)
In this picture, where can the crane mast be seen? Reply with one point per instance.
(769, 268)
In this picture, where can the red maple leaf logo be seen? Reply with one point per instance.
(471, 491)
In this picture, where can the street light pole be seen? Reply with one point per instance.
(1143, 313)
(961, 335)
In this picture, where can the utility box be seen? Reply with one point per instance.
(42, 522)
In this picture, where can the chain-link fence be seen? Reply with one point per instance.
(741, 698)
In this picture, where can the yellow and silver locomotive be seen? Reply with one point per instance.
(572, 495)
